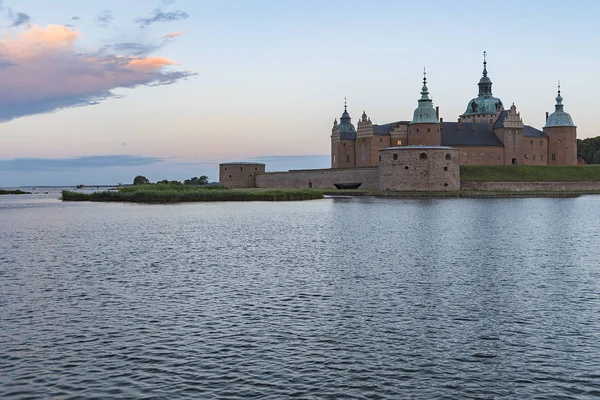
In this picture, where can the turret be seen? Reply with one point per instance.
(424, 128)
(485, 106)
(562, 135)
(343, 136)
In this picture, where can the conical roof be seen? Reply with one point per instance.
(559, 117)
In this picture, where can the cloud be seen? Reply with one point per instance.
(41, 71)
(20, 19)
(168, 2)
(95, 162)
(75, 18)
(105, 18)
(172, 35)
(159, 16)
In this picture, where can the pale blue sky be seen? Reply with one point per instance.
(271, 76)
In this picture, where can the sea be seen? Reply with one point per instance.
(339, 298)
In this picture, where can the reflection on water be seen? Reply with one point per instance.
(335, 298)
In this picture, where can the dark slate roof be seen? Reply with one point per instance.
(345, 135)
(387, 128)
(452, 136)
(530, 131)
(500, 121)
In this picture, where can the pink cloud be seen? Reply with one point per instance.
(42, 71)
(172, 35)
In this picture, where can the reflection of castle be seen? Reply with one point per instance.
(486, 134)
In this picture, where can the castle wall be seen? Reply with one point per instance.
(424, 135)
(562, 145)
(484, 155)
(239, 175)
(535, 151)
(346, 154)
(419, 168)
(319, 178)
(529, 186)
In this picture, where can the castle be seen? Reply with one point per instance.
(485, 134)
(424, 154)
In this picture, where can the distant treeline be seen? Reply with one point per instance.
(589, 150)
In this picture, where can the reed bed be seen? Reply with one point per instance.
(161, 196)
(13, 192)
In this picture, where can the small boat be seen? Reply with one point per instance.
(353, 185)
(79, 186)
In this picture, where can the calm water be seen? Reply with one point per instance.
(327, 299)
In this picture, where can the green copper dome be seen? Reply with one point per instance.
(424, 113)
(484, 103)
(345, 127)
(559, 117)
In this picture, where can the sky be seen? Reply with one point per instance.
(99, 91)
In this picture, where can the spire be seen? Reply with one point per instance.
(559, 117)
(424, 90)
(345, 105)
(424, 113)
(485, 63)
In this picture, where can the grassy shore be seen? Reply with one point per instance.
(166, 193)
(529, 173)
(13, 192)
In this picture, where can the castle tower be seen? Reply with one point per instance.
(485, 106)
(511, 134)
(343, 136)
(424, 129)
(562, 136)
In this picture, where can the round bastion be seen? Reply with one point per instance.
(239, 174)
(419, 168)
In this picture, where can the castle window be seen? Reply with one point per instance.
(423, 156)
(553, 157)
(250, 175)
(533, 157)
(380, 140)
(541, 142)
(448, 156)
(406, 167)
(482, 156)
(417, 130)
(491, 155)
(473, 155)
(362, 156)
(399, 142)
(499, 156)
(230, 176)
(445, 168)
(241, 169)
(532, 142)
(256, 168)
(347, 158)
(344, 144)
(438, 130)
(225, 169)
(395, 157)
(428, 130)
(445, 184)
(558, 140)
(379, 158)
(525, 157)
(542, 157)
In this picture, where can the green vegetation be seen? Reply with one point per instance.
(177, 193)
(203, 180)
(589, 150)
(13, 192)
(140, 180)
(528, 173)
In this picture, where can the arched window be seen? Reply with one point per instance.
(448, 156)
(395, 156)
(423, 156)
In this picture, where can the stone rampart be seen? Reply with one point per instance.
(319, 178)
(529, 186)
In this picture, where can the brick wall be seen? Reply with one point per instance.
(319, 178)
(529, 186)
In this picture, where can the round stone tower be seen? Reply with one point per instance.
(562, 136)
(424, 129)
(485, 106)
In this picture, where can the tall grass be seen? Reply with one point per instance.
(529, 173)
(13, 192)
(163, 196)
